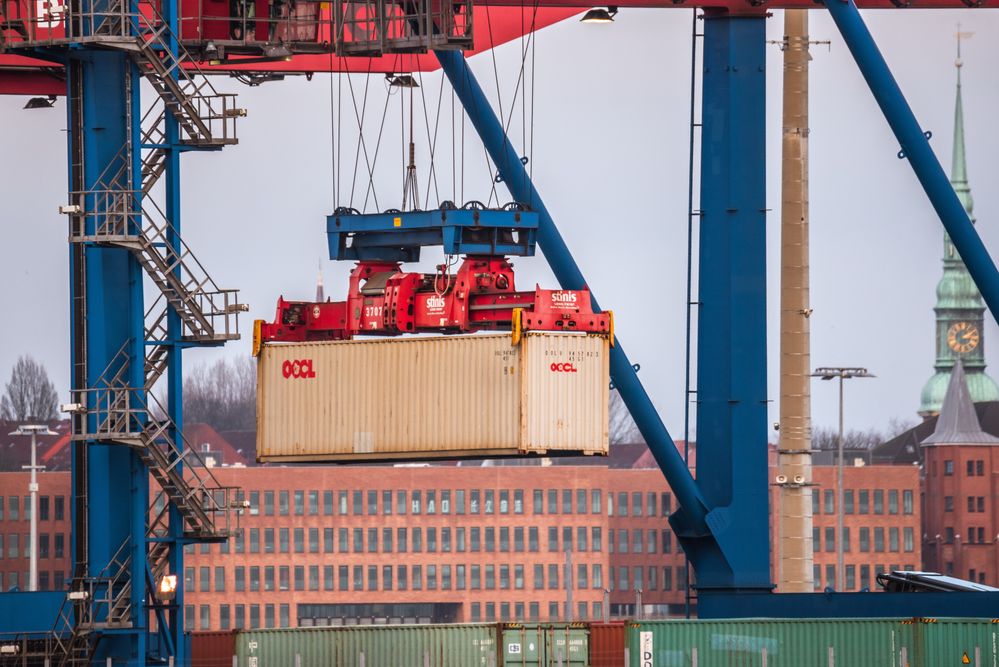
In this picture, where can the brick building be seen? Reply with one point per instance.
(881, 524)
(437, 543)
(961, 475)
(53, 530)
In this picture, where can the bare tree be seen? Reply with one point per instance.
(222, 394)
(29, 395)
(622, 429)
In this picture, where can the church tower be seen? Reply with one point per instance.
(959, 310)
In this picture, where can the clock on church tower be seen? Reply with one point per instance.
(959, 309)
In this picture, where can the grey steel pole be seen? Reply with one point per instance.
(840, 582)
(33, 490)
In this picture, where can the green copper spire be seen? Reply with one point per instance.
(959, 310)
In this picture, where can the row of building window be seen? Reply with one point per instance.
(972, 468)
(976, 535)
(850, 575)
(457, 501)
(863, 504)
(553, 576)
(475, 539)
(908, 539)
(240, 616)
(18, 508)
(47, 581)
(19, 545)
(975, 504)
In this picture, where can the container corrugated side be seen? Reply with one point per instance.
(212, 649)
(566, 387)
(419, 398)
(388, 399)
(607, 644)
(544, 645)
(381, 646)
(948, 641)
(786, 643)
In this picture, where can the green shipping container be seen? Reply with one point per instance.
(813, 643)
(545, 645)
(472, 645)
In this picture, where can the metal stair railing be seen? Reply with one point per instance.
(121, 414)
(113, 217)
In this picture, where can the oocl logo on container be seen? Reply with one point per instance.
(563, 368)
(299, 368)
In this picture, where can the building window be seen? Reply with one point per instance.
(504, 503)
(459, 576)
(539, 576)
(417, 540)
(490, 539)
(863, 498)
(284, 578)
(219, 579)
(567, 538)
(490, 577)
(908, 539)
(341, 501)
(949, 535)
(552, 538)
(538, 504)
(372, 540)
(269, 578)
(622, 541)
(948, 467)
(581, 538)
(473, 502)
(518, 538)
(254, 616)
(373, 577)
(358, 577)
(476, 612)
(552, 577)
(597, 579)
(400, 540)
(343, 574)
(431, 540)
(14, 507)
(830, 539)
(971, 503)
(372, 502)
(300, 578)
(907, 501)
(636, 540)
(948, 503)
(830, 501)
(566, 501)
(879, 540)
(299, 540)
(328, 578)
(328, 540)
(415, 502)
(400, 502)
(622, 503)
(981, 503)
(848, 501)
(831, 576)
(476, 577)
(476, 539)
(865, 540)
(239, 582)
(846, 539)
(327, 503)
(431, 502)
(313, 503)
(667, 578)
(532, 538)
(504, 573)
(893, 501)
(851, 577)
(636, 503)
(386, 540)
(488, 505)
(667, 540)
(622, 581)
(581, 571)
(980, 467)
(595, 497)
(446, 502)
(401, 580)
(971, 468)
(299, 502)
(893, 539)
(357, 502)
(865, 577)
(879, 501)
(580, 501)
(60, 508)
(816, 539)
(358, 540)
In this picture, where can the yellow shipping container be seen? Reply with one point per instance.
(442, 397)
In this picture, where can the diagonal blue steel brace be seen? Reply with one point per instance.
(693, 509)
(916, 148)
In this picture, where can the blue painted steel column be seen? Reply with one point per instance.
(692, 510)
(916, 147)
(731, 320)
(110, 283)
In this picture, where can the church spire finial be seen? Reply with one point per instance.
(959, 167)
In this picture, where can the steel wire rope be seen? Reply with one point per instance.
(359, 117)
(333, 147)
(374, 160)
(432, 175)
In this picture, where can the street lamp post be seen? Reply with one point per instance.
(34, 430)
(842, 373)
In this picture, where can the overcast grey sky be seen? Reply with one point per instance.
(610, 159)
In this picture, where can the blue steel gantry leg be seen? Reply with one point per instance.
(916, 148)
(692, 521)
(731, 320)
